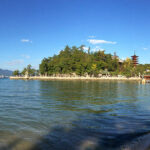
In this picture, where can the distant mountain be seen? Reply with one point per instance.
(5, 72)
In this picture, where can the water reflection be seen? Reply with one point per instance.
(75, 114)
(90, 96)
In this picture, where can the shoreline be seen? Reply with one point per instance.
(74, 78)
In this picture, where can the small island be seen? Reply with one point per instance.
(76, 63)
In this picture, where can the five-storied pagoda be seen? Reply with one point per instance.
(135, 60)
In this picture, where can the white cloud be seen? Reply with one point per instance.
(26, 56)
(145, 48)
(15, 62)
(26, 41)
(86, 48)
(92, 36)
(95, 41)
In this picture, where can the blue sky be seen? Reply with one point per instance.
(33, 29)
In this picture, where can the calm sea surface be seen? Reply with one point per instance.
(72, 115)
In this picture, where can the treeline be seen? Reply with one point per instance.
(26, 71)
(76, 60)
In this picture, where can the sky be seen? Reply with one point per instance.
(33, 29)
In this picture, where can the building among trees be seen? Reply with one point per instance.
(135, 60)
(120, 61)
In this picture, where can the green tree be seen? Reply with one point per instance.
(30, 71)
(16, 73)
(24, 71)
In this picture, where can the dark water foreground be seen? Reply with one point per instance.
(72, 115)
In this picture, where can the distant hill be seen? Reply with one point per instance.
(5, 72)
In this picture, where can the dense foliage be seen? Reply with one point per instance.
(76, 60)
(26, 71)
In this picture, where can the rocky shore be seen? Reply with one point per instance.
(72, 78)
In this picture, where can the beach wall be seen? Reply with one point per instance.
(72, 78)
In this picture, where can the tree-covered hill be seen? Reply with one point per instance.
(74, 60)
